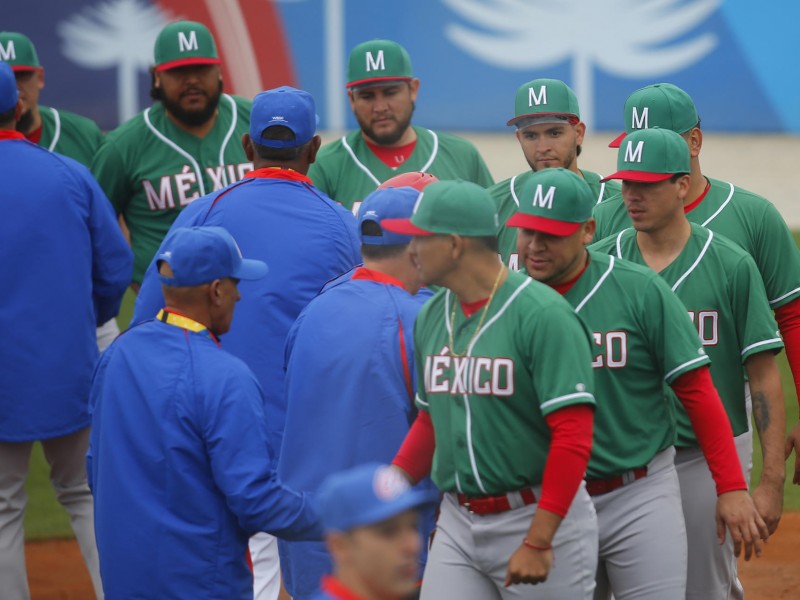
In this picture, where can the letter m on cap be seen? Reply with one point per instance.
(8, 53)
(544, 200)
(537, 99)
(375, 64)
(639, 121)
(187, 44)
(634, 154)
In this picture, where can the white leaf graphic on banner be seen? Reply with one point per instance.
(625, 38)
(118, 33)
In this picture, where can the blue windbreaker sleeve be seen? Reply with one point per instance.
(236, 438)
(112, 257)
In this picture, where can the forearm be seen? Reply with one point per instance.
(543, 528)
(769, 414)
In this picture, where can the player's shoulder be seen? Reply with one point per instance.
(449, 141)
(608, 244)
(610, 203)
(71, 120)
(130, 131)
(337, 146)
(241, 103)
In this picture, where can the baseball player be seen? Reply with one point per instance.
(67, 266)
(275, 214)
(382, 91)
(641, 340)
(550, 133)
(719, 285)
(179, 460)
(505, 399)
(745, 218)
(183, 147)
(57, 130)
(371, 518)
(354, 341)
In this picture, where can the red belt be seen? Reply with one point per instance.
(489, 505)
(597, 487)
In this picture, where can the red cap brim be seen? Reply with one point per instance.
(184, 62)
(551, 226)
(572, 119)
(404, 226)
(617, 141)
(24, 68)
(376, 81)
(639, 176)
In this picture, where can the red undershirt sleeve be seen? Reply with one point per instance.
(701, 400)
(570, 447)
(415, 456)
(788, 317)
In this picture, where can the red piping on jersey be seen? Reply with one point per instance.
(404, 360)
(377, 276)
(690, 207)
(337, 589)
(277, 173)
(10, 134)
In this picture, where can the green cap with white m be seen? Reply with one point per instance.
(651, 155)
(185, 43)
(544, 101)
(450, 207)
(378, 62)
(18, 51)
(554, 201)
(659, 105)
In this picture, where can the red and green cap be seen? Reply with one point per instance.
(183, 43)
(450, 207)
(651, 155)
(18, 51)
(659, 105)
(554, 201)
(545, 101)
(378, 62)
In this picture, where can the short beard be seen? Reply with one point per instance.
(190, 118)
(567, 164)
(25, 122)
(389, 139)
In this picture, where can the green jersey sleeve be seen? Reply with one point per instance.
(110, 170)
(777, 258)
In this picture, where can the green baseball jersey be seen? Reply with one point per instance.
(531, 357)
(69, 134)
(749, 220)
(348, 170)
(151, 169)
(642, 343)
(719, 285)
(506, 197)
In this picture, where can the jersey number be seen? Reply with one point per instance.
(707, 324)
(613, 351)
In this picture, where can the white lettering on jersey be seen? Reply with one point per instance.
(544, 200)
(707, 324)
(161, 200)
(356, 206)
(184, 44)
(9, 52)
(513, 262)
(476, 375)
(639, 121)
(541, 98)
(632, 155)
(613, 349)
(375, 64)
(184, 182)
(216, 175)
(243, 169)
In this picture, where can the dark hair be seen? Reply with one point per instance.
(8, 117)
(375, 252)
(489, 242)
(676, 176)
(278, 133)
(578, 150)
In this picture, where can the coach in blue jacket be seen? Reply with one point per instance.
(65, 265)
(179, 461)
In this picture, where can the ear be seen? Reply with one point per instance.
(18, 111)
(156, 77)
(215, 292)
(580, 130)
(247, 145)
(313, 148)
(40, 75)
(351, 98)
(413, 86)
(683, 186)
(588, 231)
(695, 141)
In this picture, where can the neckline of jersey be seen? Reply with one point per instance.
(377, 276)
(176, 319)
(278, 173)
(690, 207)
(336, 588)
(10, 134)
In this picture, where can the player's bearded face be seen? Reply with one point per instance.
(384, 112)
(190, 94)
(432, 254)
(552, 259)
(550, 145)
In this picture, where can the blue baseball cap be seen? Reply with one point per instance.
(285, 106)
(365, 495)
(200, 255)
(387, 203)
(8, 88)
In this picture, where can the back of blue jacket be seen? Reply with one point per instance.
(66, 266)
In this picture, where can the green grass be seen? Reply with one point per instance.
(45, 518)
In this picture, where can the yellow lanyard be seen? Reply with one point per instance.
(176, 320)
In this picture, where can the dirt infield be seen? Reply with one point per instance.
(56, 570)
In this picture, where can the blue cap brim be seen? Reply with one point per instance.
(250, 269)
(415, 498)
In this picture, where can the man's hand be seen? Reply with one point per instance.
(793, 443)
(737, 512)
(768, 499)
(527, 565)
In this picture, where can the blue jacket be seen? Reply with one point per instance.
(66, 267)
(180, 468)
(305, 238)
(349, 397)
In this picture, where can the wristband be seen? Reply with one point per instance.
(525, 542)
